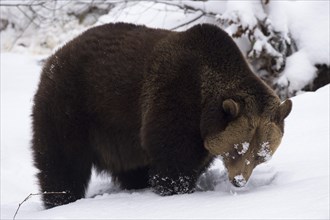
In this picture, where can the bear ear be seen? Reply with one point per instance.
(285, 109)
(231, 107)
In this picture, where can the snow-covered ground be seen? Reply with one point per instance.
(294, 184)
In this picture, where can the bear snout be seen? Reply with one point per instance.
(239, 181)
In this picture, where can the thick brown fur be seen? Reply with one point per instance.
(140, 104)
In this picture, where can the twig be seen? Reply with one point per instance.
(188, 22)
(22, 4)
(21, 34)
(35, 194)
(186, 7)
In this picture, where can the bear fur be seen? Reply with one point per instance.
(147, 106)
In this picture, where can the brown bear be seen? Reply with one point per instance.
(152, 108)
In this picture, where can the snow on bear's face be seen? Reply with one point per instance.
(248, 140)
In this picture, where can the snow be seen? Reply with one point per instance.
(308, 23)
(299, 71)
(265, 151)
(293, 184)
(244, 149)
(243, 12)
(310, 35)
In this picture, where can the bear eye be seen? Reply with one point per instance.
(251, 128)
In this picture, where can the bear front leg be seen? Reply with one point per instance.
(177, 159)
(170, 131)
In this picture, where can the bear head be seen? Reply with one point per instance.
(249, 138)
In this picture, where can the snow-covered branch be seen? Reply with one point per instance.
(268, 48)
(272, 34)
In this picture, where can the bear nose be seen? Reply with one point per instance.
(235, 183)
(239, 181)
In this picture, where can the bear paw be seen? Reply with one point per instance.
(166, 186)
(56, 199)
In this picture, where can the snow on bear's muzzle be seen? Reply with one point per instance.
(239, 181)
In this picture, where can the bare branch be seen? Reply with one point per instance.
(35, 194)
(188, 22)
(186, 7)
(23, 4)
